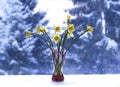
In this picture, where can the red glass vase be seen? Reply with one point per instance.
(57, 78)
(58, 59)
(57, 74)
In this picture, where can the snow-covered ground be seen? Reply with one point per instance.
(70, 81)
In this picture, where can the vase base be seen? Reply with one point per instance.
(57, 78)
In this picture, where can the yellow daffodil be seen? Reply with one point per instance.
(89, 28)
(43, 29)
(70, 34)
(68, 18)
(57, 29)
(71, 28)
(38, 29)
(56, 38)
(28, 33)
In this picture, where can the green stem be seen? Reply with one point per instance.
(58, 68)
(49, 39)
(64, 41)
(45, 42)
(58, 46)
(49, 46)
(63, 57)
(65, 37)
(53, 56)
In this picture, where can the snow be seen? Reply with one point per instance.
(70, 81)
(55, 10)
(112, 3)
(2, 72)
(103, 22)
(111, 44)
(12, 62)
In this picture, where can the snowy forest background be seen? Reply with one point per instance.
(95, 53)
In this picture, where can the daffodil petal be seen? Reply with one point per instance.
(89, 28)
(70, 34)
(28, 33)
(68, 18)
(71, 28)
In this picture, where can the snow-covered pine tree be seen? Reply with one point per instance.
(17, 50)
(98, 52)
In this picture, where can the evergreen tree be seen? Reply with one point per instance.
(98, 52)
(17, 50)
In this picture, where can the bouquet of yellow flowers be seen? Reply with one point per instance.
(57, 44)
